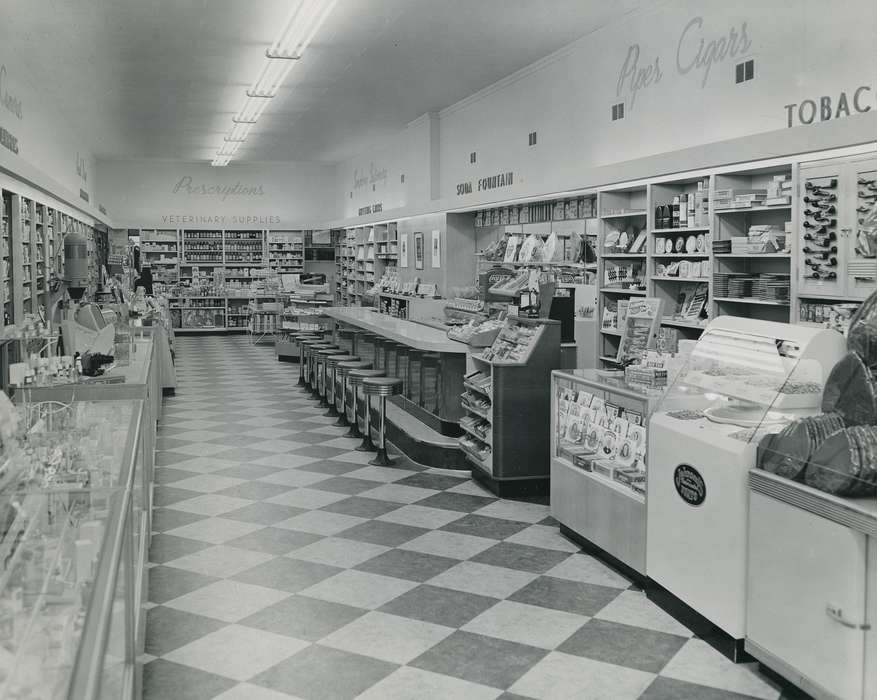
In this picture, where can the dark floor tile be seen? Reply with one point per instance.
(321, 451)
(345, 484)
(274, 540)
(327, 466)
(322, 673)
(480, 659)
(379, 532)
(513, 696)
(438, 482)
(569, 596)
(247, 471)
(167, 495)
(462, 502)
(264, 513)
(522, 557)
(237, 440)
(303, 618)
(163, 680)
(168, 475)
(164, 519)
(255, 490)
(623, 645)
(167, 583)
(243, 454)
(481, 526)
(414, 566)
(284, 574)
(168, 459)
(362, 507)
(169, 443)
(165, 548)
(306, 437)
(168, 629)
(550, 522)
(671, 689)
(440, 606)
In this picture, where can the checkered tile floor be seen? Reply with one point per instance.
(283, 566)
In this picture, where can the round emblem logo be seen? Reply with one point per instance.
(689, 484)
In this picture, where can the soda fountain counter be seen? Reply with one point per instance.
(745, 378)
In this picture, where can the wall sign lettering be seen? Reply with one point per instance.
(824, 108)
(83, 194)
(375, 208)
(8, 141)
(689, 484)
(219, 220)
(10, 102)
(186, 185)
(374, 176)
(697, 52)
(464, 188)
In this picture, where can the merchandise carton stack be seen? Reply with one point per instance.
(739, 198)
(760, 239)
(779, 191)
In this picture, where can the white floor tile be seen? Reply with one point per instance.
(207, 483)
(215, 530)
(515, 510)
(227, 600)
(320, 522)
(338, 552)
(220, 561)
(483, 579)
(449, 544)
(545, 536)
(210, 504)
(307, 498)
(421, 516)
(387, 637)
(526, 624)
(359, 589)
(634, 608)
(237, 652)
(408, 683)
(586, 569)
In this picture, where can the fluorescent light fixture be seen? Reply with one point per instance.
(303, 23)
(220, 161)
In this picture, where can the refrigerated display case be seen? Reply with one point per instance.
(745, 378)
(74, 544)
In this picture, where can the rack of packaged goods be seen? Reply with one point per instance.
(240, 307)
(345, 285)
(160, 249)
(244, 249)
(599, 436)
(41, 281)
(679, 258)
(837, 232)
(6, 285)
(286, 252)
(203, 248)
(387, 245)
(509, 384)
(26, 234)
(622, 257)
(364, 270)
(752, 244)
(198, 312)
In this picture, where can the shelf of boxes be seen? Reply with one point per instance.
(286, 252)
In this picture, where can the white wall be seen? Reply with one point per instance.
(51, 156)
(376, 175)
(171, 194)
(802, 50)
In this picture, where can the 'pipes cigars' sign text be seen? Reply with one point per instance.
(698, 51)
(11, 104)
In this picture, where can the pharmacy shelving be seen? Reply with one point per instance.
(286, 252)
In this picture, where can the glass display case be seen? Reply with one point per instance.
(599, 428)
(745, 378)
(72, 508)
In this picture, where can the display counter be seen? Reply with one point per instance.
(74, 548)
(599, 428)
(163, 348)
(410, 333)
(141, 380)
(812, 587)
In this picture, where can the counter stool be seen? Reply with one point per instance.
(355, 378)
(343, 370)
(365, 346)
(300, 338)
(311, 361)
(381, 387)
(331, 378)
(313, 367)
(380, 345)
(391, 353)
(403, 359)
(430, 381)
(345, 339)
(306, 355)
(322, 355)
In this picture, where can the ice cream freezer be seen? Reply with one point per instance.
(745, 378)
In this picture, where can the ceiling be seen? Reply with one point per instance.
(162, 78)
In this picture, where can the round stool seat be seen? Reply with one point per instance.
(333, 360)
(357, 376)
(345, 366)
(326, 352)
(381, 386)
